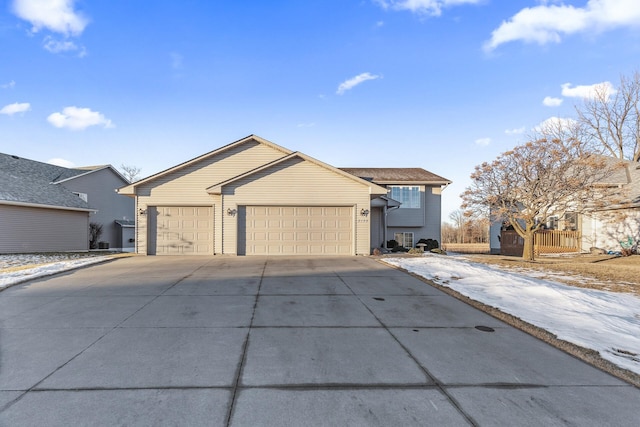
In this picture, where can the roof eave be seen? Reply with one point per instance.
(43, 206)
(397, 182)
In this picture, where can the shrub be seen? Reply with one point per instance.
(431, 244)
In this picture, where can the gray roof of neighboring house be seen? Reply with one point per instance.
(27, 181)
(628, 177)
(397, 175)
(633, 186)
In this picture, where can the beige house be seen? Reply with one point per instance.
(253, 197)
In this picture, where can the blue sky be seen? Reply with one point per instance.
(438, 84)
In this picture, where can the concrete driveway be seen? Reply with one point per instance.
(253, 341)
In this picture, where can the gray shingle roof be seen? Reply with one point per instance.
(628, 177)
(633, 185)
(27, 181)
(397, 175)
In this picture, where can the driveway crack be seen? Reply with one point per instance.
(243, 358)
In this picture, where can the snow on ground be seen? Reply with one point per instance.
(53, 267)
(606, 322)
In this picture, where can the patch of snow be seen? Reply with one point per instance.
(15, 277)
(607, 322)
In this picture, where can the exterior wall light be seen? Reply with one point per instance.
(231, 212)
(364, 212)
(142, 211)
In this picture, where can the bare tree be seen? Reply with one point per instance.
(545, 177)
(458, 219)
(131, 173)
(449, 233)
(612, 120)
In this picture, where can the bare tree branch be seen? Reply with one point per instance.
(131, 173)
(612, 120)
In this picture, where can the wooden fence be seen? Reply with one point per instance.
(545, 242)
(556, 242)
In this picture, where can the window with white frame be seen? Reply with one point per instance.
(409, 196)
(404, 239)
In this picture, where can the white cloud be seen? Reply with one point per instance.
(550, 101)
(61, 162)
(355, 81)
(555, 123)
(9, 85)
(547, 23)
(12, 109)
(75, 118)
(483, 142)
(423, 7)
(517, 131)
(306, 125)
(57, 46)
(58, 16)
(587, 91)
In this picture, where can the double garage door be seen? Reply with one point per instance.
(262, 230)
(297, 230)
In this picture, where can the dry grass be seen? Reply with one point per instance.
(467, 248)
(603, 272)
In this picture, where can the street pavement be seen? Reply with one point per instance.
(279, 341)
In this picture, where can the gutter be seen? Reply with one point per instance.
(37, 205)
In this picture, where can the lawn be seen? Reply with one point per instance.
(603, 272)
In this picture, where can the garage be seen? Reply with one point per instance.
(253, 197)
(181, 230)
(296, 230)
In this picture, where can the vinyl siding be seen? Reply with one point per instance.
(100, 188)
(296, 183)
(28, 229)
(606, 233)
(430, 214)
(187, 186)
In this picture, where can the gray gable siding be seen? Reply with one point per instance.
(100, 186)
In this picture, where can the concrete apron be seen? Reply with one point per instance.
(279, 341)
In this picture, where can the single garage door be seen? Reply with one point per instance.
(298, 230)
(183, 230)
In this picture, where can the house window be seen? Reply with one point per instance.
(552, 223)
(404, 239)
(408, 196)
(570, 221)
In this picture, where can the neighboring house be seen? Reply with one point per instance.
(417, 215)
(253, 197)
(606, 229)
(620, 222)
(46, 208)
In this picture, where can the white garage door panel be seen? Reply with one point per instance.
(184, 230)
(301, 230)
